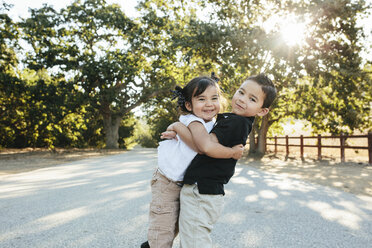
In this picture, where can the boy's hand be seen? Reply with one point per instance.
(169, 135)
(172, 127)
(238, 151)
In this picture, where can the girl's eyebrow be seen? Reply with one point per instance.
(200, 96)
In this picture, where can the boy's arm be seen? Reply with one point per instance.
(204, 142)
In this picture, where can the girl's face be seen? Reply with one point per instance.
(206, 105)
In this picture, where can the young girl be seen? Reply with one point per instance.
(199, 101)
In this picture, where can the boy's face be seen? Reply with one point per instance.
(248, 100)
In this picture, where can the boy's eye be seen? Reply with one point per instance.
(253, 99)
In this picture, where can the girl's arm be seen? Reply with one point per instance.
(196, 136)
(184, 134)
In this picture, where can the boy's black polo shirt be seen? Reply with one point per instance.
(211, 173)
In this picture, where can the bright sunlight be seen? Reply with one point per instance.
(292, 30)
(293, 33)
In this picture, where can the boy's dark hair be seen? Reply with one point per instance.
(193, 88)
(267, 86)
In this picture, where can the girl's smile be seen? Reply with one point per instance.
(206, 105)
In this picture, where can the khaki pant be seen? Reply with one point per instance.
(199, 212)
(164, 211)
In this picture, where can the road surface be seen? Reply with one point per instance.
(103, 202)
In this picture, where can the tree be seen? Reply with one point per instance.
(10, 87)
(181, 28)
(116, 62)
(334, 92)
(320, 79)
(235, 48)
(33, 104)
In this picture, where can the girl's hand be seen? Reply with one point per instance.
(169, 135)
(237, 151)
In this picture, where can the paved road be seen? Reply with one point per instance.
(103, 202)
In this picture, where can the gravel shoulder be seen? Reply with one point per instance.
(350, 177)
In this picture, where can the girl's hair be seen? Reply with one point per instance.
(194, 88)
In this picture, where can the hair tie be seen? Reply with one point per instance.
(178, 93)
(216, 79)
(213, 76)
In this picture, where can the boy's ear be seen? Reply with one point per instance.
(263, 112)
(188, 106)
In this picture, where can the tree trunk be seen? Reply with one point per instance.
(111, 127)
(262, 135)
(258, 149)
(252, 140)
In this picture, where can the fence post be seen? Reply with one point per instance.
(302, 146)
(370, 148)
(342, 147)
(276, 142)
(287, 146)
(319, 147)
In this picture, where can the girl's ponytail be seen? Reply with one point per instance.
(179, 93)
(214, 77)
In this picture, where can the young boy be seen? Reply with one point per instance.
(203, 189)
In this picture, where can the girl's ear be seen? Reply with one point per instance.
(263, 112)
(188, 106)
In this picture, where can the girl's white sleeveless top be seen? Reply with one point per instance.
(174, 156)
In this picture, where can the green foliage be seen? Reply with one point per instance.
(11, 89)
(117, 63)
(90, 66)
(126, 132)
(8, 42)
(43, 112)
(161, 117)
(143, 135)
(320, 80)
(34, 110)
(334, 94)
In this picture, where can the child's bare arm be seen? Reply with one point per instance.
(184, 133)
(208, 143)
(205, 143)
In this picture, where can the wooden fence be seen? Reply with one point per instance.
(319, 145)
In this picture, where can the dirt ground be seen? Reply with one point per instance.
(351, 177)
